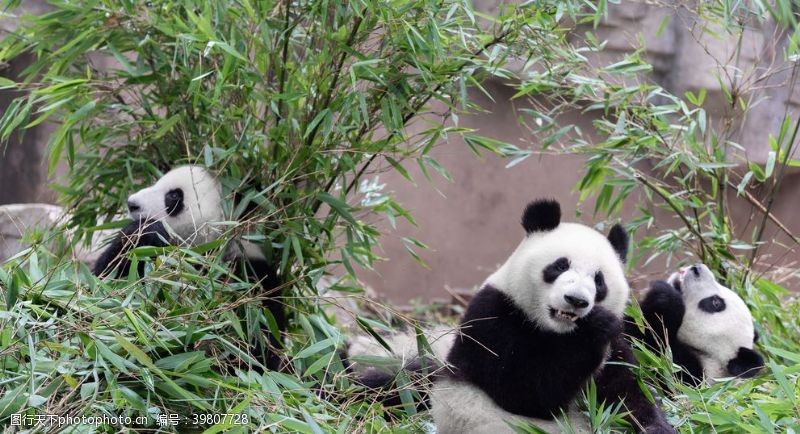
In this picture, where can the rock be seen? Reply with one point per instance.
(16, 219)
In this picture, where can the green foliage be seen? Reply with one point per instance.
(295, 101)
(766, 403)
(659, 150)
(295, 104)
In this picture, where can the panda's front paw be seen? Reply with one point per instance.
(659, 427)
(601, 323)
(662, 297)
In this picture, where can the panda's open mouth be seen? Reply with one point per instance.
(563, 315)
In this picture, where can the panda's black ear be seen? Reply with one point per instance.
(618, 237)
(541, 215)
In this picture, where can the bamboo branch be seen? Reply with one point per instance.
(755, 202)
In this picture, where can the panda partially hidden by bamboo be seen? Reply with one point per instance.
(181, 209)
(706, 326)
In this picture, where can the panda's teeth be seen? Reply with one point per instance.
(567, 316)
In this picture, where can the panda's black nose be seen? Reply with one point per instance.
(576, 301)
(696, 270)
(133, 206)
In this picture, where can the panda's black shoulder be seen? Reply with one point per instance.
(491, 321)
(489, 302)
(256, 269)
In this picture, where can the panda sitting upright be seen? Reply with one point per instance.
(707, 327)
(541, 327)
(181, 208)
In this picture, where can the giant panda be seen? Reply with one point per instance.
(706, 326)
(540, 329)
(183, 208)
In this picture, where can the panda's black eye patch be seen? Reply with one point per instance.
(601, 290)
(173, 201)
(555, 269)
(712, 304)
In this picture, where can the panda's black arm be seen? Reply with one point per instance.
(114, 260)
(526, 369)
(616, 382)
(663, 310)
(691, 369)
(265, 274)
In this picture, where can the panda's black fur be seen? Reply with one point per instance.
(114, 261)
(192, 189)
(489, 355)
(542, 215)
(664, 311)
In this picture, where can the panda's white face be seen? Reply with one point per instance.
(186, 200)
(717, 322)
(557, 276)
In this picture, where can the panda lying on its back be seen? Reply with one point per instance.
(180, 209)
(540, 329)
(707, 327)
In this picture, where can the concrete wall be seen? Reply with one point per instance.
(689, 54)
(472, 225)
(23, 175)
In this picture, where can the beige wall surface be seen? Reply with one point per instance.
(23, 174)
(471, 225)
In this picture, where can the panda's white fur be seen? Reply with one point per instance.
(718, 334)
(199, 220)
(202, 204)
(588, 251)
(706, 326)
(462, 408)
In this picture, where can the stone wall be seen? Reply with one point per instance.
(23, 175)
(689, 54)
